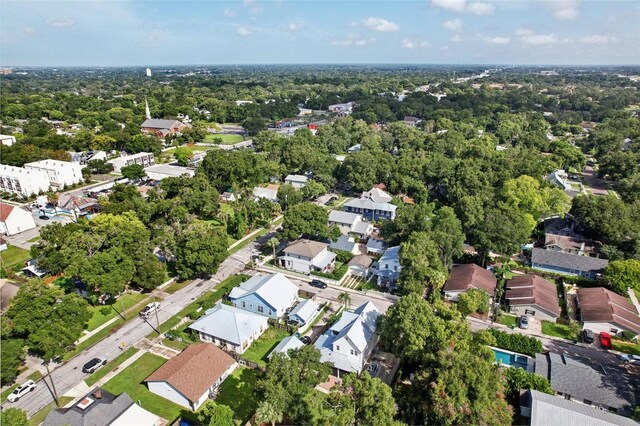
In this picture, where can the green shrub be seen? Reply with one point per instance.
(517, 379)
(517, 342)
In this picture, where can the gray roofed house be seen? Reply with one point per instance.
(566, 263)
(304, 312)
(601, 385)
(306, 256)
(376, 246)
(387, 268)
(159, 123)
(100, 407)
(297, 181)
(343, 219)
(269, 295)
(285, 345)
(545, 410)
(370, 209)
(344, 243)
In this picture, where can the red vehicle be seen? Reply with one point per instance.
(605, 340)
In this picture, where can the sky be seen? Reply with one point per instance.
(158, 32)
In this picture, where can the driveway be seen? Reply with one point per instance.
(598, 186)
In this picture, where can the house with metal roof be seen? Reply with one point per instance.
(544, 410)
(465, 277)
(287, 344)
(370, 209)
(304, 312)
(377, 194)
(349, 342)
(344, 243)
(387, 268)
(269, 295)
(305, 256)
(606, 386)
(343, 220)
(100, 407)
(297, 181)
(270, 192)
(231, 328)
(601, 310)
(161, 127)
(567, 263)
(533, 296)
(191, 377)
(376, 246)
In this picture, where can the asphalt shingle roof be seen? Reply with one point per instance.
(567, 261)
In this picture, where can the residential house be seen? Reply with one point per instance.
(161, 128)
(76, 206)
(161, 171)
(376, 246)
(387, 268)
(305, 256)
(297, 181)
(14, 220)
(287, 344)
(349, 342)
(100, 407)
(193, 376)
(465, 277)
(377, 195)
(361, 230)
(231, 328)
(344, 243)
(566, 225)
(544, 410)
(23, 181)
(270, 192)
(411, 121)
(590, 382)
(559, 178)
(359, 265)
(566, 263)
(7, 140)
(145, 159)
(61, 173)
(304, 312)
(229, 197)
(373, 205)
(571, 245)
(355, 148)
(342, 109)
(350, 223)
(603, 310)
(533, 296)
(269, 295)
(31, 269)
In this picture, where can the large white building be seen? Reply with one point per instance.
(14, 220)
(145, 159)
(61, 173)
(19, 180)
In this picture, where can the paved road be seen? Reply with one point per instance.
(67, 376)
(598, 186)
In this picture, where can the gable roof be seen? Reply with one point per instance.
(566, 242)
(344, 217)
(296, 178)
(229, 323)
(102, 411)
(366, 203)
(285, 345)
(361, 260)
(306, 248)
(378, 195)
(158, 123)
(270, 192)
(194, 370)
(470, 275)
(392, 254)
(5, 211)
(305, 310)
(601, 305)
(275, 289)
(344, 243)
(533, 290)
(376, 244)
(567, 260)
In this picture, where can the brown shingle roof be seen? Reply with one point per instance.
(533, 290)
(468, 276)
(305, 248)
(602, 305)
(5, 211)
(195, 370)
(361, 260)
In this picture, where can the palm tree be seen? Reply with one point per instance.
(345, 299)
(268, 413)
(273, 242)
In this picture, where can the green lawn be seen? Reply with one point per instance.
(227, 139)
(509, 320)
(130, 381)
(34, 239)
(39, 417)
(237, 391)
(227, 209)
(558, 330)
(111, 365)
(102, 314)
(7, 391)
(626, 347)
(14, 257)
(259, 349)
(113, 327)
(175, 286)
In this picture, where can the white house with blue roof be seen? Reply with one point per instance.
(268, 295)
(349, 342)
(304, 312)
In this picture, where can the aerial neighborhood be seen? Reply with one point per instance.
(319, 244)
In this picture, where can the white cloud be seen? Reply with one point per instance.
(498, 40)
(295, 26)
(228, 12)
(243, 31)
(352, 39)
(453, 25)
(380, 24)
(29, 31)
(565, 10)
(599, 39)
(456, 39)
(60, 22)
(414, 44)
(539, 39)
(455, 5)
(523, 32)
(480, 9)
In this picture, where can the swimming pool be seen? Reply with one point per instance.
(510, 359)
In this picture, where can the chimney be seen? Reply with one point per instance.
(98, 394)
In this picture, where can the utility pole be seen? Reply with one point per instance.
(53, 386)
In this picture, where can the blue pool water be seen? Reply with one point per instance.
(510, 359)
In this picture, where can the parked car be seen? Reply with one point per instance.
(22, 390)
(523, 322)
(631, 359)
(94, 364)
(605, 340)
(44, 217)
(318, 284)
(306, 340)
(149, 309)
(587, 336)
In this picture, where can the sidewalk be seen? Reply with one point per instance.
(634, 299)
